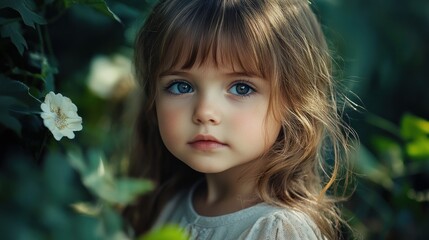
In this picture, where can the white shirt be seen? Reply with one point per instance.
(261, 221)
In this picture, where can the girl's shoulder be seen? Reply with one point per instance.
(283, 223)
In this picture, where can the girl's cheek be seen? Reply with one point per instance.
(165, 113)
(249, 123)
(169, 125)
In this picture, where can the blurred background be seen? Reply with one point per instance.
(83, 49)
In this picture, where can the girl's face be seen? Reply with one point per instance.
(214, 118)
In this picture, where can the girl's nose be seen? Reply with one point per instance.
(206, 112)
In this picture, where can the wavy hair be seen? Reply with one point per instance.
(280, 40)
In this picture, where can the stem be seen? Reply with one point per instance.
(48, 41)
(42, 43)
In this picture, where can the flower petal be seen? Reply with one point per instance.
(49, 123)
(68, 133)
(75, 126)
(47, 115)
(45, 107)
(57, 135)
(72, 114)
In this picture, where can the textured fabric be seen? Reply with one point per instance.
(261, 221)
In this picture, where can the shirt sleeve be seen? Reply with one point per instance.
(283, 225)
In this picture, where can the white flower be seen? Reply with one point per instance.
(110, 76)
(60, 116)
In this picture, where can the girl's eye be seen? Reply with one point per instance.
(179, 88)
(241, 89)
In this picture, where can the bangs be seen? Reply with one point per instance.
(217, 34)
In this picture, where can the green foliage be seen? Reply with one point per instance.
(25, 10)
(35, 202)
(13, 31)
(15, 99)
(415, 131)
(394, 153)
(381, 58)
(11, 28)
(413, 127)
(165, 233)
(99, 5)
(395, 175)
(73, 189)
(100, 181)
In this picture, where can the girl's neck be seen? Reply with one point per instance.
(224, 193)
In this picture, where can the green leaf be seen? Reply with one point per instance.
(12, 30)
(15, 99)
(127, 189)
(383, 144)
(167, 232)
(25, 9)
(369, 167)
(87, 208)
(111, 226)
(418, 148)
(390, 152)
(101, 182)
(413, 127)
(46, 74)
(117, 191)
(99, 5)
(20, 91)
(6, 119)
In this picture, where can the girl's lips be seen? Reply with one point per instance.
(205, 143)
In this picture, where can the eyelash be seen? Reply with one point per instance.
(246, 83)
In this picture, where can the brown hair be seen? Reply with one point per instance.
(280, 40)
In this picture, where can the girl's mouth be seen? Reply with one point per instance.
(206, 143)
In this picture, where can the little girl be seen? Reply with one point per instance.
(238, 121)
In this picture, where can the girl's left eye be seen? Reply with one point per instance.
(241, 89)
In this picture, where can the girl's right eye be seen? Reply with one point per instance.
(179, 87)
